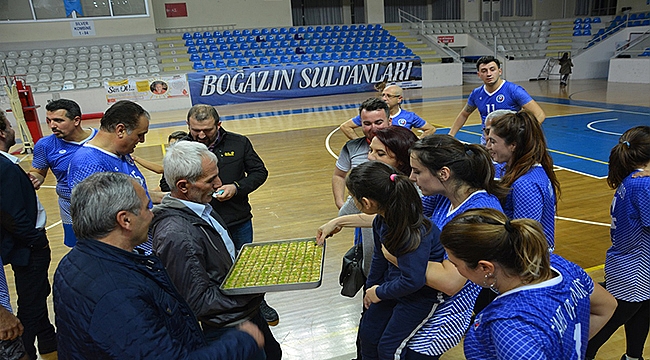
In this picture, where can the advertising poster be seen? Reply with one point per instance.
(160, 87)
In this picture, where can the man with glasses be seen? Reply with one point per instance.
(392, 95)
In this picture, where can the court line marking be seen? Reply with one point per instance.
(582, 221)
(591, 127)
(48, 186)
(327, 143)
(53, 225)
(595, 268)
(580, 173)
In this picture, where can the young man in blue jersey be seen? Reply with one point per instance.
(495, 94)
(54, 152)
(392, 95)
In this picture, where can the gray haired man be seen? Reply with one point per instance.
(196, 248)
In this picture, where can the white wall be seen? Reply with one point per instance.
(593, 63)
(374, 11)
(438, 75)
(60, 30)
(522, 70)
(633, 70)
(241, 13)
(472, 10)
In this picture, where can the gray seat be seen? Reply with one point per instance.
(56, 76)
(44, 77)
(82, 74)
(94, 73)
(58, 67)
(69, 75)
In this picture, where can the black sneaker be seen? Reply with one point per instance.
(269, 314)
(624, 357)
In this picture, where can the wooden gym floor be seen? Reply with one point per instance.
(296, 198)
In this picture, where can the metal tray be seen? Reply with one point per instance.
(276, 266)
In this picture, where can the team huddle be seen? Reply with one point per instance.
(458, 239)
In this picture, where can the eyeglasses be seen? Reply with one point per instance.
(390, 95)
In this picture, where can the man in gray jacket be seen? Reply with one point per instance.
(196, 249)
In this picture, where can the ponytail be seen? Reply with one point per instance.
(631, 152)
(519, 246)
(397, 198)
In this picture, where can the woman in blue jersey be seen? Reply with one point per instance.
(627, 264)
(454, 177)
(547, 307)
(396, 298)
(518, 140)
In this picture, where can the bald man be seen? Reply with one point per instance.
(392, 95)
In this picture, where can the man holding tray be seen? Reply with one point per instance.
(196, 248)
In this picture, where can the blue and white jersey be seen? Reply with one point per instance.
(4, 289)
(450, 321)
(403, 118)
(508, 96)
(532, 197)
(549, 320)
(90, 159)
(53, 153)
(626, 264)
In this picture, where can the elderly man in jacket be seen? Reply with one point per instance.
(196, 248)
(114, 303)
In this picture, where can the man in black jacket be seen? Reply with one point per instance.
(196, 248)
(241, 170)
(25, 246)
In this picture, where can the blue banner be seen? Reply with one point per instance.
(275, 83)
(73, 5)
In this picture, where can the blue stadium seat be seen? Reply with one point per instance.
(189, 42)
(197, 35)
(230, 40)
(309, 50)
(227, 33)
(382, 53)
(269, 52)
(294, 43)
(259, 52)
(265, 45)
(198, 66)
(370, 27)
(274, 31)
(245, 32)
(327, 28)
(586, 20)
(224, 47)
(199, 42)
(248, 53)
(362, 27)
(345, 56)
(292, 30)
(372, 54)
(336, 56)
(577, 21)
(255, 46)
(234, 47)
(195, 58)
(305, 58)
(325, 56)
(274, 60)
(264, 61)
(264, 31)
(356, 47)
(216, 56)
(633, 16)
(390, 52)
(255, 32)
(400, 45)
(236, 32)
(645, 22)
(577, 33)
(206, 56)
(284, 30)
(303, 30)
(279, 51)
(577, 27)
(217, 34)
(237, 54)
(284, 59)
(336, 28)
(408, 52)
(332, 41)
(586, 26)
(187, 36)
(295, 58)
(345, 28)
(596, 20)
(221, 64)
(325, 35)
(207, 34)
(317, 36)
(227, 55)
(232, 63)
(192, 50)
(253, 62)
(210, 65)
(363, 54)
(220, 40)
(244, 46)
(586, 32)
(338, 48)
(209, 41)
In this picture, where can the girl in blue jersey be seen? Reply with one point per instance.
(518, 140)
(547, 307)
(628, 259)
(454, 177)
(397, 300)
